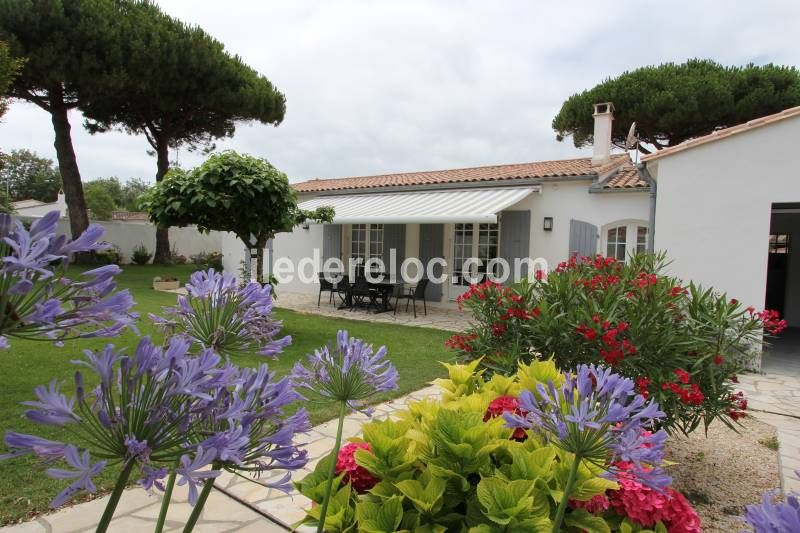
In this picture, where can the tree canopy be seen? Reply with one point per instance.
(231, 192)
(67, 46)
(179, 87)
(9, 69)
(125, 195)
(27, 176)
(671, 103)
(99, 200)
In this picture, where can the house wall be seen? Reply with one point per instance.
(127, 235)
(572, 200)
(714, 205)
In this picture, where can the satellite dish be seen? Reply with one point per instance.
(632, 140)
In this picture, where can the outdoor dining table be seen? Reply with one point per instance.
(384, 286)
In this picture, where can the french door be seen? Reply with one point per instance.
(471, 242)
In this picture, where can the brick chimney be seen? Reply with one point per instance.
(603, 118)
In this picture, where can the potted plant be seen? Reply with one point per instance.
(165, 284)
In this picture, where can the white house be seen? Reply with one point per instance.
(35, 208)
(728, 211)
(725, 207)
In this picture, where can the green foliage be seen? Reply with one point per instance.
(29, 176)
(674, 102)
(206, 260)
(178, 85)
(9, 69)
(683, 344)
(5, 203)
(141, 255)
(230, 192)
(124, 194)
(441, 467)
(99, 201)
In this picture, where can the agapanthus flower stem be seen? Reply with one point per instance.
(198, 507)
(562, 505)
(165, 500)
(116, 494)
(332, 469)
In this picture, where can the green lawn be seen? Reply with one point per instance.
(25, 490)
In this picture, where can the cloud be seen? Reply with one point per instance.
(382, 86)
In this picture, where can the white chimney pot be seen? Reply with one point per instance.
(603, 119)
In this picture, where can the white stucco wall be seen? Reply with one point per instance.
(128, 235)
(714, 205)
(572, 200)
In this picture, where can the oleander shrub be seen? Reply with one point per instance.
(683, 344)
(456, 464)
(141, 255)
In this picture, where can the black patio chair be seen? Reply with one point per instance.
(326, 286)
(361, 294)
(413, 294)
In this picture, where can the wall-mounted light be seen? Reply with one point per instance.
(306, 225)
(548, 224)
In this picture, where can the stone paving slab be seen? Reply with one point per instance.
(438, 317)
(288, 509)
(775, 399)
(137, 512)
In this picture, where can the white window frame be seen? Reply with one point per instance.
(632, 244)
(372, 245)
(457, 288)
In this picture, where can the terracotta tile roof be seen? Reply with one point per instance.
(627, 177)
(129, 216)
(540, 169)
(724, 133)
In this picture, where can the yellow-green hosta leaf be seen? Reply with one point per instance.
(340, 513)
(384, 489)
(382, 517)
(589, 488)
(538, 372)
(503, 501)
(529, 465)
(582, 519)
(502, 385)
(427, 498)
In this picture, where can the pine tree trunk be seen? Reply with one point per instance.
(162, 255)
(68, 163)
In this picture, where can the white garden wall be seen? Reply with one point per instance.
(127, 235)
(714, 205)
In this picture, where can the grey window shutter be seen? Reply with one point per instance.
(431, 244)
(394, 236)
(582, 238)
(515, 238)
(331, 241)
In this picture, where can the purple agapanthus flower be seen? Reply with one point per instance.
(194, 471)
(242, 316)
(22, 444)
(83, 473)
(348, 372)
(597, 414)
(52, 407)
(772, 516)
(42, 302)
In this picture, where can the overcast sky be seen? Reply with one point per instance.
(375, 87)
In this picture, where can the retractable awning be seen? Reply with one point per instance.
(421, 207)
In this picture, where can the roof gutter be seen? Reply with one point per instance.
(651, 241)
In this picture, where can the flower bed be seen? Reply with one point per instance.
(518, 453)
(682, 344)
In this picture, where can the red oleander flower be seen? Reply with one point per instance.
(683, 376)
(358, 476)
(506, 404)
(642, 383)
(718, 359)
(538, 275)
(498, 329)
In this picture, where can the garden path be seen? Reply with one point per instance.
(238, 505)
(774, 397)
